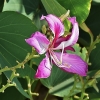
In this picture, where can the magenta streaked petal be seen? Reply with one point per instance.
(39, 42)
(72, 63)
(61, 39)
(73, 37)
(75, 30)
(55, 25)
(44, 69)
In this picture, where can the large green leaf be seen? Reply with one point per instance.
(26, 7)
(53, 7)
(78, 8)
(14, 28)
(33, 9)
(59, 82)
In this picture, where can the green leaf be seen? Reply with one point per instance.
(97, 1)
(59, 82)
(93, 94)
(1, 5)
(93, 20)
(53, 7)
(93, 23)
(26, 71)
(0, 80)
(10, 93)
(33, 9)
(95, 58)
(25, 7)
(78, 8)
(14, 28)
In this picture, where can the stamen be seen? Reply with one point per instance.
(62, 53)
(54, 57)
(51, 60)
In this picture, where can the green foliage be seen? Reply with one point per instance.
(32, 9)
(12, 24)
(25, 7)
(94, 58)
(53, 7)
(18, 20)
(59, 82)
(78, 8)
(1, 5)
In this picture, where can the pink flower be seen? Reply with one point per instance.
(68, 62)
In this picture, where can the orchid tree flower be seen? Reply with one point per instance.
(71, 63)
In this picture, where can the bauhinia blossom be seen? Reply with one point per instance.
(68, 62)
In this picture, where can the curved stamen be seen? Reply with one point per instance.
(62, 53)
(54, 57)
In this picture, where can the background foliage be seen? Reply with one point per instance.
(19, 19)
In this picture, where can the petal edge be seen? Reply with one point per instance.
(44, 69)
(39, 42)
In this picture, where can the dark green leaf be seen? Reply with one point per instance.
(1, 4)
(95, 58)
(10, 93)
(14, 28)
(59, 82)
(25, 7)
(30, 8)
(53, 7)
(93, 22)
(93, 95)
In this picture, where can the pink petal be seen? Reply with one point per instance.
(61, 39)
(55, 25)
(70, 39)
(44, 69)
(39, 42)
(69, 48)
(72, 63)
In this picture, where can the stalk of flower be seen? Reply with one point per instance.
(68, 62)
